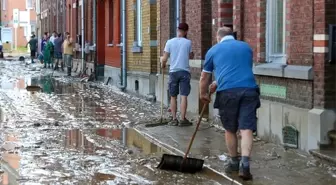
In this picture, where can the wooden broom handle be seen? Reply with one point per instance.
(197, 126)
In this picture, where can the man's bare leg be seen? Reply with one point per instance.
(173, 106)
(184, 105)
(247, 142)
(232, 143)
(246, 147)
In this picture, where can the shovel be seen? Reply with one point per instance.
(184, 164)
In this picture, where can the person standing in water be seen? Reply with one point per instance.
(68, 52)
(33, 47)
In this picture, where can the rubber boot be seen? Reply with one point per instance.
(56, 66)
(62, 66)
(69, 71)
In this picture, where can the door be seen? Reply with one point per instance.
(112, 36)
(100, 32)
(7, 35)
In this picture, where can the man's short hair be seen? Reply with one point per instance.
(224, 31)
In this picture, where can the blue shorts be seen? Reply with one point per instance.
(238, 108)
(58, 55)
(179, 83)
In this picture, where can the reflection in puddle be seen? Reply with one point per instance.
(77, 139)
(10, 160)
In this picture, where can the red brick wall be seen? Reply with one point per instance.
(197, 14)
(319, 58)
(300, 31)
(250, 23)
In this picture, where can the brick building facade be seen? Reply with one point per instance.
(65, 16)
(109, 39)
(290, 49)
(27, 21)
(289, 39)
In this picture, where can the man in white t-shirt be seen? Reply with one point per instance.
(179, 50)
(53, 37)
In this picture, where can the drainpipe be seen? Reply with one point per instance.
(94, 22)
(123, 84)
(83, 36)
(64, 17)
(57, 18)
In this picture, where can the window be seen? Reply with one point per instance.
(29, 4)
(138, 23)
(4, 5)
(276, 31)
(111, 20)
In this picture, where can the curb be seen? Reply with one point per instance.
(319, 155)
(175, 151)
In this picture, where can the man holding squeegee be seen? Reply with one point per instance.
(237, 96)
(179, 50)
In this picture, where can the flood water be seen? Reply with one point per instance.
(67, 132)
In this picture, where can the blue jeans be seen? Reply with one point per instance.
(238, 108)
(179, 83)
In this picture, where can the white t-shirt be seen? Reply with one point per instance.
(179, 49)
(52, 40)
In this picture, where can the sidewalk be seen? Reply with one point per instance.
(271, 164)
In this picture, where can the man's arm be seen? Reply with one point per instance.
(165, 55)
(206, 76)
(164, 59)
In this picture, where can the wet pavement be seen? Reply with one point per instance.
(69, 132)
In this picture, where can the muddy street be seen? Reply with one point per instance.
(69, 132)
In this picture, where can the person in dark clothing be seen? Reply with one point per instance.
(43, 44)
(58, 51)
(33, 47)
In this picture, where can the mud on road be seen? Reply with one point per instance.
(69, 132)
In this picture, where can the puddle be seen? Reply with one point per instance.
(91, 156)
(136, 143)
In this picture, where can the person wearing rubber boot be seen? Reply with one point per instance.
(68, 52)
(237, 96)
(48, 63)
(33, 42)
(180, 51)
(58, 51)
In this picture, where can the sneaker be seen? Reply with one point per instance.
(244, 173)
(173, 122)
(231, 167)
(185, 123)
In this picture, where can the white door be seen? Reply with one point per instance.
(7, 35)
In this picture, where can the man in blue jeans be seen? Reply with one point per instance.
(179, 50)
(237, 95)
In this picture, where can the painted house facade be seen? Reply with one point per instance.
(109, 38)
(26, 17)
(291, 54)
(297, 82)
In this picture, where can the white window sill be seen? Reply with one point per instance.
(109, 45)
(284, 71)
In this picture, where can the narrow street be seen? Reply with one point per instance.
(73, 133)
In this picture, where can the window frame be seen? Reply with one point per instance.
(4, 4)
(138, 23)
(270, 24)
(31, 5)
